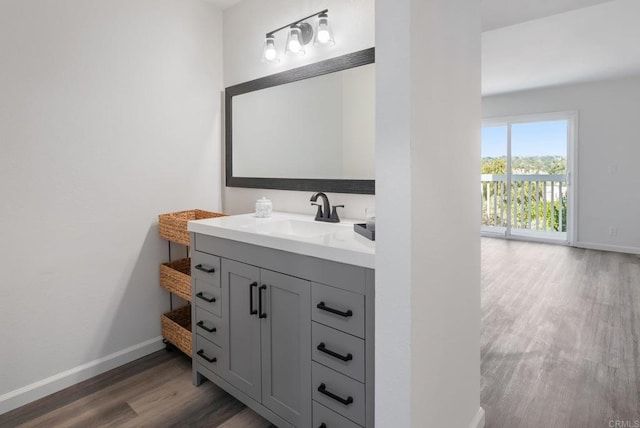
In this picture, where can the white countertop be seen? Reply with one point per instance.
(295, 233)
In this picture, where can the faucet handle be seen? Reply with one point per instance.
(319, 212)
(334, 214)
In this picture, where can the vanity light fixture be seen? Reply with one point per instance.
(324, 34)
(269, 53)
(295, 40)
(300, 34)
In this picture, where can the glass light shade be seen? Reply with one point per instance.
(269, 52)
(295, 45)
(324, 34)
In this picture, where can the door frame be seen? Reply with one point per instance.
(572, 117)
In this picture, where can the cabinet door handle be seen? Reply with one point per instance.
(322, 348)
(262, 314)
(205, 328)
(322, 389)
(203, 355)
(252, 310)
(324, 307)
(206, 299)
(204, 269)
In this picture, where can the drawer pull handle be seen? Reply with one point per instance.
(252, 310)
(262, 314)
(206, 299)
(203, 355)
(322, 389)
(204, 269)
(322, 348)
(205, 328)
(324, 307)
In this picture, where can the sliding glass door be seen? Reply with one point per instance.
(525, 177)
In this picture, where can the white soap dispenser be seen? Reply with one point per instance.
(263, 208)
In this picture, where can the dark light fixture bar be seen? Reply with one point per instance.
(270, 33)
(300, 33)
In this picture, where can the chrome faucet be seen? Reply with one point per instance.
(325, 213)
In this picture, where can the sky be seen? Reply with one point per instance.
(527, 139)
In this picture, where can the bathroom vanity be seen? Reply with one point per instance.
(283, 317)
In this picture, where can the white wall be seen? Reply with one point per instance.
(428, 248)
(106, 120)
(607, 136)
(245, 26)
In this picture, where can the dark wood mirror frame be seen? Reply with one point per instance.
(356, 59)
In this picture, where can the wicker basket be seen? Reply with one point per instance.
(176, 277)
(173, 226)
(176, 328)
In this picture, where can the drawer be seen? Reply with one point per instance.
(208, 326)
(206, 296)
(205, 267)
(208, 355)
(339, 393)
(342, 310)
(340, 351)
(323, 417)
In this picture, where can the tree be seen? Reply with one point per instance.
(494, 165)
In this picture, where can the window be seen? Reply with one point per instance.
(525, 176)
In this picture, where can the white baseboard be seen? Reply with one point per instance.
(607, 247)
(478, 420)
(21, 396)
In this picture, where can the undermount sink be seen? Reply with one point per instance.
(297, 228)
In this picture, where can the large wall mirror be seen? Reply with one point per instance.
(311, 128)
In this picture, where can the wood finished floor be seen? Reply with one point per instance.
(559, 348)
(559, 338)
(154, 391)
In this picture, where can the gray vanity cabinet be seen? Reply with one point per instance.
(241, 339)
(294, 336)
(286, 346)
(266, 349)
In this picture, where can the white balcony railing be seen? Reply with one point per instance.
(538, 202)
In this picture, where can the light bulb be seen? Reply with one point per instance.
(269, 53)
(294, 45)
(323, 36)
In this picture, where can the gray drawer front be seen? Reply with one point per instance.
(340, 300)
(344, 344)
(322, 415)
(341, 386)
(347, 277)
(206, 262)
(210, 351)
(206, 321)
(206, 296)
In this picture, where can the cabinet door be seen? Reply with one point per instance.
(241, 328)
(286, 346)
